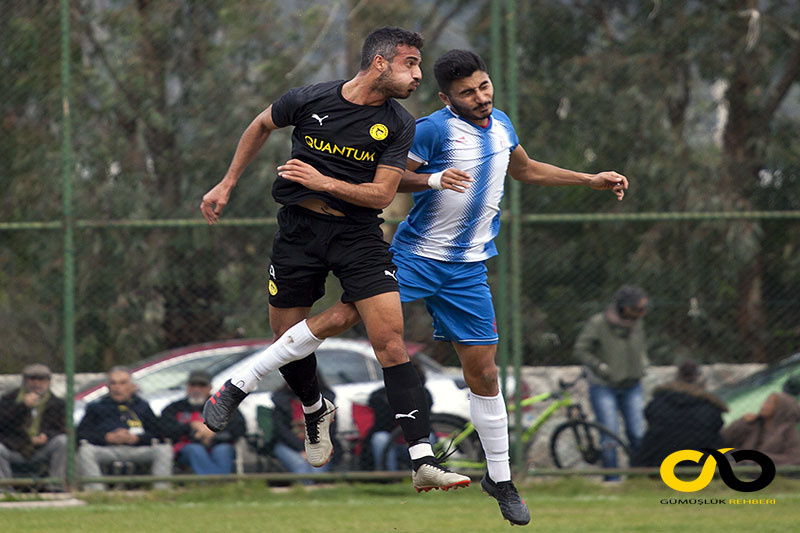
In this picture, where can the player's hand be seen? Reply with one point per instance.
(456, 180)
(304, 174)
(214, 201)
(610, 180)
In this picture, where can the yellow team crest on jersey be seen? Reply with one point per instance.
(379, 131)
(273, 289)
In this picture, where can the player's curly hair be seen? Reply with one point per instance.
(454, 65)
(384, 42)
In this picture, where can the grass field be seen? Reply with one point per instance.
(567, 505)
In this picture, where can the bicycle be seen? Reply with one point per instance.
(574, 443)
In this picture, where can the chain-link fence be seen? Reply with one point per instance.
(140, 112)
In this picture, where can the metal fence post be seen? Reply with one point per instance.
(69, 244)
(516, 235)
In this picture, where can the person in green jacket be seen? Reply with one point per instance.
(613, 348)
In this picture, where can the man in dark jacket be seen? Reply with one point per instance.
(32, 424)
(195, 445)
(121, 427)
(682, 415)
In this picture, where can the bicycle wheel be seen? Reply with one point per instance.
(467, 453)
(579, 444)
(462, 451)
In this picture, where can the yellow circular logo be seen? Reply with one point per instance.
(273, 289)
(379, 132)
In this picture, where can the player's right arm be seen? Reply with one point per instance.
(250, 143)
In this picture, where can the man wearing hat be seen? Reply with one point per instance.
(32, 425)
(196, 446)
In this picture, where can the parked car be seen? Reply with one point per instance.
(349, 366)
(747, 395)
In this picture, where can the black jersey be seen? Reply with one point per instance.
(342, 140)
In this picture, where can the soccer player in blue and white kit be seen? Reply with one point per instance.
(441, 248)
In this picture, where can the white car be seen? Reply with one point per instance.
(348, 366)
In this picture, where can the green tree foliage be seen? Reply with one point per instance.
(695, 101)
(684, 98)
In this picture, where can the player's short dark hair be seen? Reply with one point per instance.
(454, 65)
(384, 42)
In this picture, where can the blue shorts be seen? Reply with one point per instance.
(457, 296)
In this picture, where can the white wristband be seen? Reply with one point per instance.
(435, 181)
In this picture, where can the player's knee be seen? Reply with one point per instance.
(390, 351)
(483, 381)
(343, 318)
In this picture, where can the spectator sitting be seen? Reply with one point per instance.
(385, 422)
(121, 427)
(195, 445)
(773, 430)
(32, 425)
(682, 415)
(289, 430)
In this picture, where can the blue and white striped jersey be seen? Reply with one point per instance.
(448, 225)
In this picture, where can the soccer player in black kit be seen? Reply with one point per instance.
(349, 149)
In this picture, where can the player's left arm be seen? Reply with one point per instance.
(452, 178)
(377, 194)
(523, 168)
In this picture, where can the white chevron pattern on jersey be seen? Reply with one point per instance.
(447, 225)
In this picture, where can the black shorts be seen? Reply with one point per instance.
(308, 245)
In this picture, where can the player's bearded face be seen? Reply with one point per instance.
(480, 111)
(394, 86)
(402, 75)
(472, 97)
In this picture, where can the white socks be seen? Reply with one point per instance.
(420, 450)
(489, 417)
(308, 409)
(296, 343)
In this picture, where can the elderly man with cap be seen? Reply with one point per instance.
(204, 451)
(613, 347)
(32, 424)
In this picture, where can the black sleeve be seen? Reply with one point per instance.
(284, 109)
(384, 416)
(152, 426)
(396, 155)
(13, 412)
(170, 426)
(53, 419)
(282, 422)
(89, 428)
